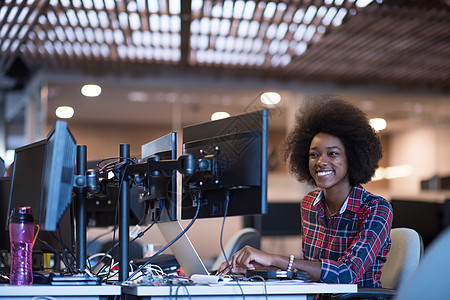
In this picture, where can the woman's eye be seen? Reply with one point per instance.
(313, 155)
(333, 153)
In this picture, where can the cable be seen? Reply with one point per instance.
(138, 236)
(70, 256)
(185, 288)
(57, 253)
(107, 166)
(264, 281)
(167, 246)
(161, 206)
(99, 236)
(116, 213)
(227, 201)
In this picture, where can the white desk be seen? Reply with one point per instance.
(66, 292)
(251, 290)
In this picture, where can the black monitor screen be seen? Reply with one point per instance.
(282, 219)
(27, 178)
(238, 145)
(161, 187)
(26, 190)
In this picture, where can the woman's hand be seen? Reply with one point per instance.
(249, 258)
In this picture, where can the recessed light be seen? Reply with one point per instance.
(64, 112)
(378, 123)
(91, 90)
(219, 115)
(270, 98)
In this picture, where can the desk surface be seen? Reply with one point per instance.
(244, 288)
(60, 290)
(252, 290)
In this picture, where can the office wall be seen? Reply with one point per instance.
(426, 150)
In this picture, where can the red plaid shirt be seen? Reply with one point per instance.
(352, 245)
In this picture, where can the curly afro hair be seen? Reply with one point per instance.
(333, 115)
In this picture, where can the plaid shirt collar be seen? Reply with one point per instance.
(352, 203)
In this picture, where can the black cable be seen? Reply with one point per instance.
(57, 253)
(167, 246)
(99, 236)
(114, 163)
(141, 234)
(227, 197)
(70, 256)
(115, 224)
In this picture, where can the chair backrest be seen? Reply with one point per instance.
(245, 236)
(431, 279)
(403, 258)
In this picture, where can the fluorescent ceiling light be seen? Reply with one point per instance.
(91, 90)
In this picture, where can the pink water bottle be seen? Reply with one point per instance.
(21, 234)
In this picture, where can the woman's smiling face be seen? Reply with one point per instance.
(328, 163)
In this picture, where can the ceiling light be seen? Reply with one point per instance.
(137, 96)
(91, 90)
(64, 112)
(378, 123)
(219, 115)
(270, 98)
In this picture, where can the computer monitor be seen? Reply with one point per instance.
(43, 176)
(5, 186)
(281, 219)
(27, 179)
(160, 186)
(237, 147)
(26, 190)
(58, 175)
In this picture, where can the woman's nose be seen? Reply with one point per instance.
(322, 161)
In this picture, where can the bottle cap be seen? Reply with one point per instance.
(21, 215)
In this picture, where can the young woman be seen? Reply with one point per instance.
(346, 230)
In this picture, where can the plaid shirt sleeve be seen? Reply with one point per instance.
(353, 245)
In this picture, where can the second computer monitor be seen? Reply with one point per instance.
(162, 187)
(237, 182)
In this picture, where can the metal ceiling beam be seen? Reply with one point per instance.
(185, 33)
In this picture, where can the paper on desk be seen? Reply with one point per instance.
(209, 279)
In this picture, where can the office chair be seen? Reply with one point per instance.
(245, 236)
(431, 279)
(402, 260)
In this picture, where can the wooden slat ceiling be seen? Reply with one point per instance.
(394, 43)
